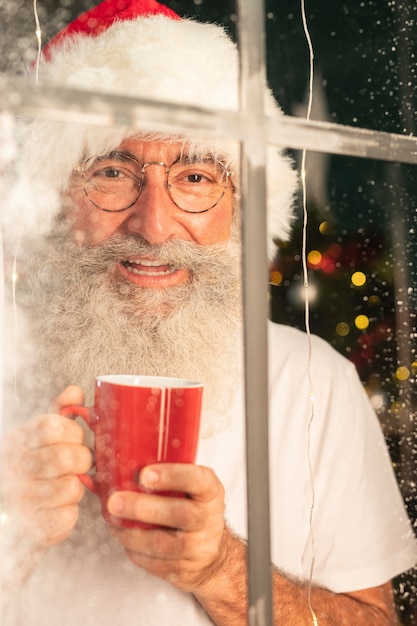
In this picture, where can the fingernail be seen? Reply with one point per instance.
(149, 477)
(115, 505)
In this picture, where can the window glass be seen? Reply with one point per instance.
(361, 226)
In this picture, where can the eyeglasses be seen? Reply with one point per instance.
(115, 181)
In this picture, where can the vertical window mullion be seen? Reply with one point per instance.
(255, 306)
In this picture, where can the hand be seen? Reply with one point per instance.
(40, 463)
(189, 550)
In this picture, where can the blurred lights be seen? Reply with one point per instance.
(276, 277)
(297, 294)
(325, 228)
(396, 407)
(377, 401)
(342, 329)
(358, 279)
(327, 261)
(402, 373)
(314, 257)
(361, 322)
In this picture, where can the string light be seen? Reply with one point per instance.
(307, 309)
(38, 33)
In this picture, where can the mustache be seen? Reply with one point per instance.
(175, 252)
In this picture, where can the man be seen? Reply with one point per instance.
(137, 271)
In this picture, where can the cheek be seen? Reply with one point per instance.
(87, 226)
(216, 227)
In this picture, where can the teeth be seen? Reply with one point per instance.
(131, 265)
(147, 273)
(146, 262)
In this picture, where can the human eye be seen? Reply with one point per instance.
(108, 170)
(195, 177)
(195, 173)
(111, 173)
(111, 170)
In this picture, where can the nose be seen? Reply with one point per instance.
(153, 214)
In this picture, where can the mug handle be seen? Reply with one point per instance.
(77, 410)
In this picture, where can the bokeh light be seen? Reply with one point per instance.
(402, 373)
(314, 257)
(358, 279)
(361, 322)
(276, 277)
(325, 228)
(342, 329)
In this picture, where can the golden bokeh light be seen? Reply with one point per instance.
(276, 277)
(314, 257)
(402, 373)
(325, 228)
(396, 407)
(358, 279)
(342, 329)
(361, 322)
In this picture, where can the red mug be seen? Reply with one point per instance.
(138, 420)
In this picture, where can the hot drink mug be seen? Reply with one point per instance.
(138, 420)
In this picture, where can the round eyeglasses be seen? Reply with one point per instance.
(115, 181)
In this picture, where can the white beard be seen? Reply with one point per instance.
(87, 322)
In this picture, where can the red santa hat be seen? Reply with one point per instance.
(100, 17)
(141, 48)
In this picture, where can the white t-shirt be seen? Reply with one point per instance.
(361, 533)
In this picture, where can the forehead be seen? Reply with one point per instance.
(148, 150)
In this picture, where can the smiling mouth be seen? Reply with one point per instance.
(147, 267)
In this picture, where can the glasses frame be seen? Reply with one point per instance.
(83, 168)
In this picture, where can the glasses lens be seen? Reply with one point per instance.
(197, 186)
(112, 183)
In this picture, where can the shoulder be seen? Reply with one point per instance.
(289, 345)
(302, 365)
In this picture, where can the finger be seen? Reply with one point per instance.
(57, 492)
(57, 460)
(168, 511)
(53, 526)
(198, 482)
(45, 494)
(71, 395)
(48, 429)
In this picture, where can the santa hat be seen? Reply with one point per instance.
(141, 48)
(99, 18)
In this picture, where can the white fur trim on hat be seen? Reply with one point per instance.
(155, 57)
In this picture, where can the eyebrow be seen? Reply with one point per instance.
(123, 155)
(126, 155)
